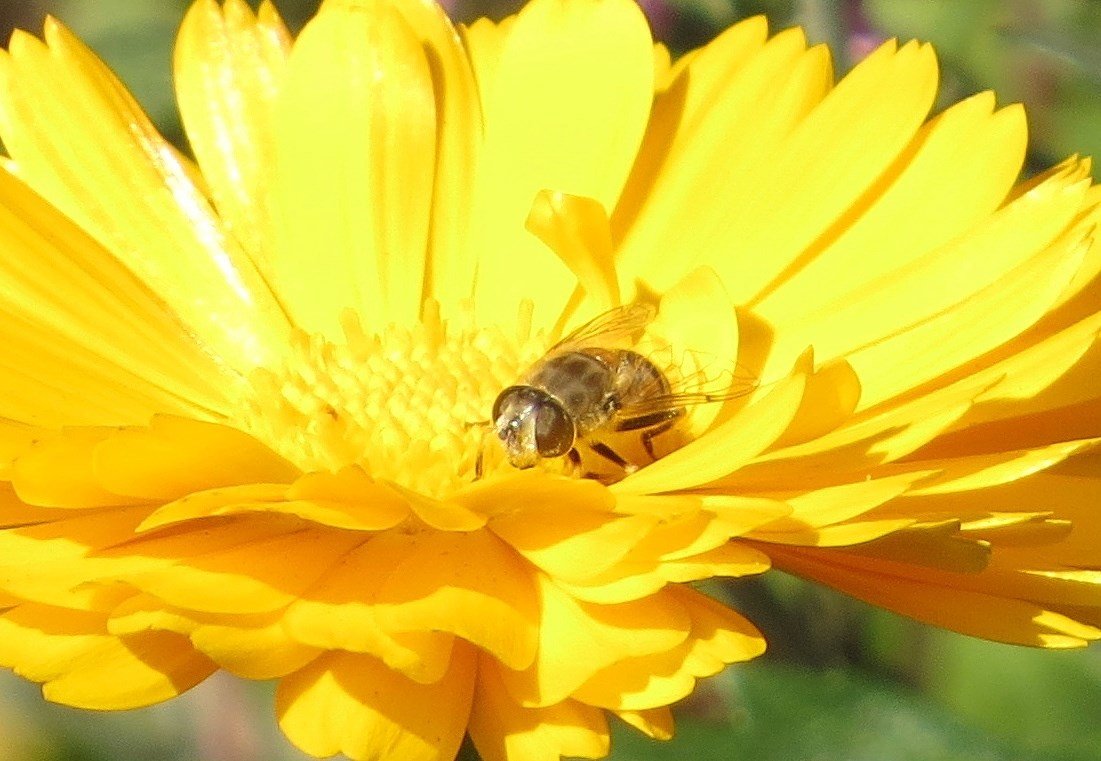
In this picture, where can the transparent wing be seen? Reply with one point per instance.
(616, 328)
(680, 391)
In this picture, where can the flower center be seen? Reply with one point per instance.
(408, 404)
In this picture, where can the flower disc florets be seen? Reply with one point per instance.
(408, 404)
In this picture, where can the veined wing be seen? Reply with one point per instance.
(617, 328)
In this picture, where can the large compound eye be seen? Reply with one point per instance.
(554, 431)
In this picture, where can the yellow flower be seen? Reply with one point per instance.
(243, 393)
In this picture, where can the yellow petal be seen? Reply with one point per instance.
(1040, 383)
(82, 142)
(831, 505)
(697, 320)
(983, 471)
(865, 442)
(957, 335)
(228, 69)
(737, 91)
(83, 666)
(49, 561)
(919, 206)
(530, 490)
(724, 448)
(576, 229)
(252, 652)
(60, 471)
(1017, 529)
(337, 613)
(175, 456)
(89, 467)
(89, 318)
(356, 122)
(441, 514)
(564, 111)
(643, 573)
(934, 545)
(866, 120)
(452, 264)
(729, 560)
(353, 704)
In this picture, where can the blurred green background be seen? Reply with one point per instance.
(841, 681)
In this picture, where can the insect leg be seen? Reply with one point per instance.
(651, 434)
(657, 423)
(610, 454)
(648, 420)
(577, 466)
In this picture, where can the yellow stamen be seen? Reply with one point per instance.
(408, 403)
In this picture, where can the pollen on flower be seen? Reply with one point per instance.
(408, 403)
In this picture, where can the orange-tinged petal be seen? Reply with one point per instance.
(654, 722)
(578, 639)
(348, 499)
(944, 600)
(353, 704)
(337, 613)
(503, 730)
(472, 585)
(572, 545)
(252, 647)
(81, 665)
(252, 575)
(718, 637)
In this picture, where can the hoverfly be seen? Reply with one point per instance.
(590, 387)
